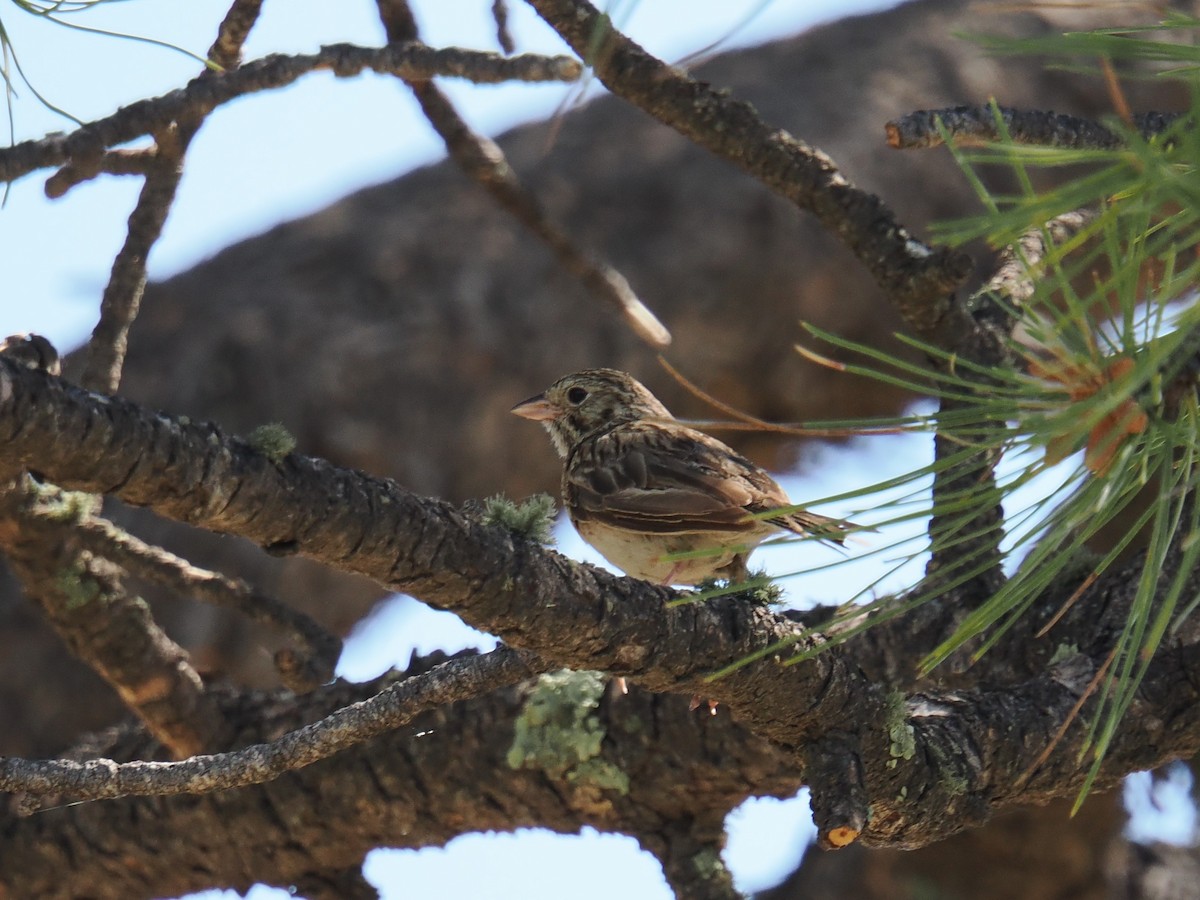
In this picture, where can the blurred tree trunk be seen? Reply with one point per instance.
(359, 326)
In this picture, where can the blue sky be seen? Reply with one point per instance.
(274, 156)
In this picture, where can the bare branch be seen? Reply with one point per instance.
(918, 279)
(101, 779)
(977, 125)
(111, 162)
(127, 281)
(202, 95)
(500, 15)
(226, 50)
(484, 162)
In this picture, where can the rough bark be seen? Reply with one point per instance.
(888, 767)
(359, 326)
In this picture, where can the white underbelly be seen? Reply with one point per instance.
(655, 557)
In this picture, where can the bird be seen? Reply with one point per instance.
(660, 500)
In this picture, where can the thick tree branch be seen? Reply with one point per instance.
(457, 767)
(202, 95)
(920, 755)
(917, 279)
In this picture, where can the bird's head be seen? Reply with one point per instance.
(577, 405)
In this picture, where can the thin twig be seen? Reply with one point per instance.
(103, 779)
(111, 162)
(503, 35)
(747, 422)
(1113, 85)
(484, 162)
(127, 281)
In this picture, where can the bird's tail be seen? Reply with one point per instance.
(822, 527)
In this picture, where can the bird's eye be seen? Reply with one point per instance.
(576, 395)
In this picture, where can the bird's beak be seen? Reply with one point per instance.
(537, 408)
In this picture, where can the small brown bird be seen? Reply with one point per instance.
(661, 501)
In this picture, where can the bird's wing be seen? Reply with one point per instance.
(667, 478)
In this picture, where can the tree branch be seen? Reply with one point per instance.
(102, 779)
(302, 671)
(921, 755)
(484, 162)
(977, 125)
(226, 50)
(127, 281)
(202, 95)
(110, 162)
(112, 631)
(455, 768)
(917, 279)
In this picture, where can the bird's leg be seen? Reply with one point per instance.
(669, 578)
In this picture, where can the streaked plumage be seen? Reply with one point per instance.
(641, 486)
